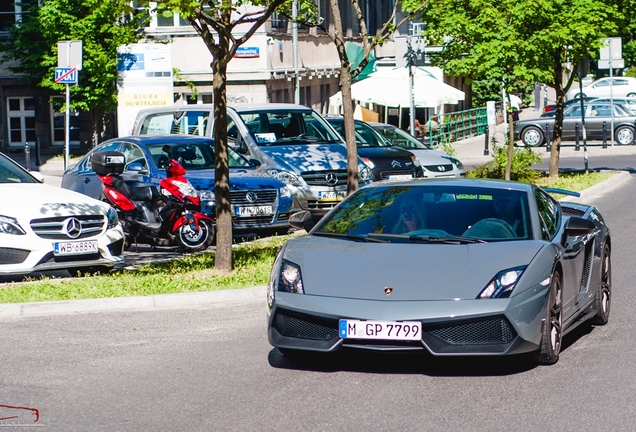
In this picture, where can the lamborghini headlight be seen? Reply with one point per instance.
(9, 225)
(112, 218)
(502, 284)
(290, 279)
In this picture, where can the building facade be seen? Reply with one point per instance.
(264, 70)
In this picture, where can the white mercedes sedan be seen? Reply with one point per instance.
(45, 228)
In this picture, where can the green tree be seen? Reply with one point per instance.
(348, 71)
(216, 22)
(102, 26)
(520, 41)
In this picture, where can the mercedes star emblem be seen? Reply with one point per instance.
(331, 179)
(73, 227)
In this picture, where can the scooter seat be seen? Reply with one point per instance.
(136, 190)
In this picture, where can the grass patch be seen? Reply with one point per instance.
(575, 181)
(194, 273)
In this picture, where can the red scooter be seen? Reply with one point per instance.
(165, 216)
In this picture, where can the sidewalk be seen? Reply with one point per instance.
(471, 150)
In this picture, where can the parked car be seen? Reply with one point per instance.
(532, 131)
(550, 110)
(386, 161)
(292, 142)
(434, 163)
(44, 227)
(463, 281)
(629, 104)
(259, 201)
(620, 87)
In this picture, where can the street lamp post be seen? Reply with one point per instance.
(411, 57)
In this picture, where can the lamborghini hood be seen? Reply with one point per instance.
(415, 271)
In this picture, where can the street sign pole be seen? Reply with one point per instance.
(67, 141)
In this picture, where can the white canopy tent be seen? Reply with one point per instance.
(389, 87)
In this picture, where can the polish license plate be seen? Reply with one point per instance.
(400, 176)
(381, 330)
(253, 211)
(332, 195)
(75, 248)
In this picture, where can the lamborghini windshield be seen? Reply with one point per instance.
(439, 214)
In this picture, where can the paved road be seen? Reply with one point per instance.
(211, 368)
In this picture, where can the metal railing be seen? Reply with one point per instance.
(459, 125)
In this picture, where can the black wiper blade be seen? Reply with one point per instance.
(445, 239)
(355, 237)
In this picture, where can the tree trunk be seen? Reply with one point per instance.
(223, 260)
(511, 144)
(347, 108)
(555, 151)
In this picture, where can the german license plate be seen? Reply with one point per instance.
(381, 330)
(400, 176)
(75, 248)
(253, 211)
(332, 195)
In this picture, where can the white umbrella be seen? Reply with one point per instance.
(390, 87)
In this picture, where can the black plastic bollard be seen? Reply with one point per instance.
(486, 141)
(577, 147)
(38, 161)
(548, 141)
(27, 156)
(604, 134)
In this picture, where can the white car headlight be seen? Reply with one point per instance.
(290, 279)
(502, 284)
(113, 220)
(9, 225)
(285, 176)
(285, 192)
(368, 162)
(207, 195)
(364, 173)
(454, 161)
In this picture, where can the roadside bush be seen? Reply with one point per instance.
(521, 169)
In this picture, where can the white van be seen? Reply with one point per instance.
(292, 142)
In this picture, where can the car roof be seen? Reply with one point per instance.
(239, 107)
(468, 182)
(163, 139)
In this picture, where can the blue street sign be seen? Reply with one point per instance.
(66, 75)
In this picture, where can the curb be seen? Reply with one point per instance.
(154, 302)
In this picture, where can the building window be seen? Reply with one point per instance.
(21, 121)
(11, 12)
(279, 20)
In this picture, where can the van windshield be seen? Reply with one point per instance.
(288, 127)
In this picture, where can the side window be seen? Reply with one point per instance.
(133, 154)
(157, 124)
(548, 214)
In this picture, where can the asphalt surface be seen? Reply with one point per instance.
(470, 151)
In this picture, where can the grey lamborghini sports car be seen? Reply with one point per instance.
(453, 266)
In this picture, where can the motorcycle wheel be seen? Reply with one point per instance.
(194, 241)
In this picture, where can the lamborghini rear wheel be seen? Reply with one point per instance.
(604, 291)
(552, 335)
